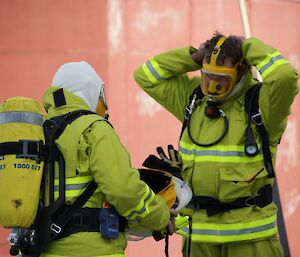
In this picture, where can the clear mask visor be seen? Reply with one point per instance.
(216, 85)
(102, 97)
(102, 104)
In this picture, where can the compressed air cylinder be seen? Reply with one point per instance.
(21, 120)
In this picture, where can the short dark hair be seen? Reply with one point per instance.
(231, 48)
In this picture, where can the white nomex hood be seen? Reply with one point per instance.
(82, 80)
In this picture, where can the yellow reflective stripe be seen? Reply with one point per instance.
(271, 62)
(224, 159)
(149, 74)
(273, 67)
(189, 146)
(70, 194)
(240, 148)
(161, 73)
(142, 209)
(76, 180)
(222, 233)
(218, 153)
(227, 239)
(235, 226)
(154, 72)
(74, 186)
(267, 60)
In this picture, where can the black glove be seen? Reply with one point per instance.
(172, 164)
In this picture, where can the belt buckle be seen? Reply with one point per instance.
(247, 201)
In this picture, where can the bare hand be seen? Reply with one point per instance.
(198, 56)
(171, 228)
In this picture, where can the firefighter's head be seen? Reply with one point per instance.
(223, 67)
(81, 79)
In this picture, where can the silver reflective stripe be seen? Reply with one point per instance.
(213, 152)
(270, 63)
(21, 117)
(153, 71)
(143, 209)
(231, 232)
(72, 186)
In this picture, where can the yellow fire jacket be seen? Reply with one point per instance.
(223, 171)
(92, 150)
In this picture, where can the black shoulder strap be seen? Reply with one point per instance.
(254, 114)
(252, 108)
(53, 128)
(196, 95)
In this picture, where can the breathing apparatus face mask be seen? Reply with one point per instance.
(218, 81)
(102, 104)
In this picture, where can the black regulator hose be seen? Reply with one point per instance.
(222, 114)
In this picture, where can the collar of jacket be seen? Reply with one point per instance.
(73, 103)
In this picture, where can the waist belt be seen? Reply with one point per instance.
(213, 206)
(86, 220)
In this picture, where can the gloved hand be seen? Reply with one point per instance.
(170, 164)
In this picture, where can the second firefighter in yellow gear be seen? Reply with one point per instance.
(215, 164)
(92, 150)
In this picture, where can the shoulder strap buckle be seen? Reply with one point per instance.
(55, 228)
(256, 118)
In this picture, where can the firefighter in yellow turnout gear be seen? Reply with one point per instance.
(221, 171)
(92, 150)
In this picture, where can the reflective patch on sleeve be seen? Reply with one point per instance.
(142, 209)
(270, 63)
(149, 75)
(74, 187)
(154, 71)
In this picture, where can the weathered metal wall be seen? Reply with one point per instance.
(115, 36)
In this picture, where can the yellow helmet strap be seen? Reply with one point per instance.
(215, 54)
(216, 51)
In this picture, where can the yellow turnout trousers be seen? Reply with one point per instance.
(270, 247)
